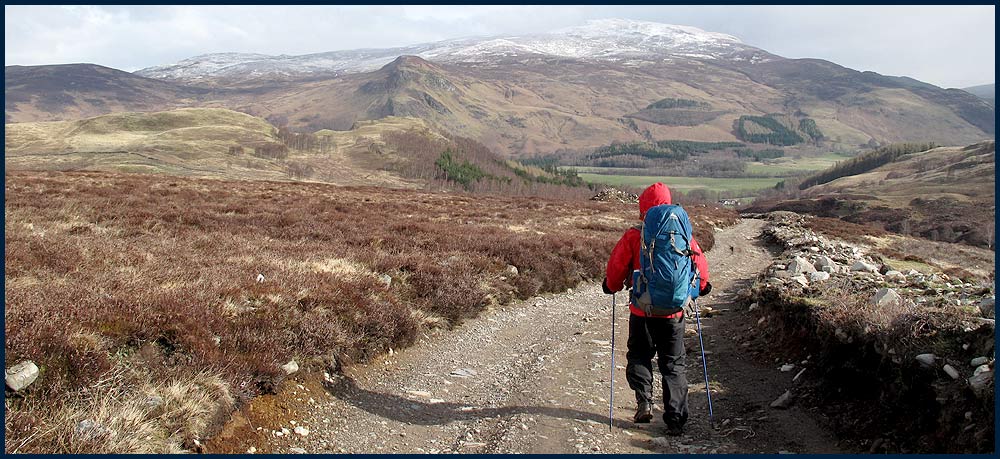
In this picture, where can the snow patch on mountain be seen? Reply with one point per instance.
(601, 39)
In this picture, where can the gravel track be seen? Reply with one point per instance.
(533, 377)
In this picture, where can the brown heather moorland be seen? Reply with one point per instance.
(139, 296)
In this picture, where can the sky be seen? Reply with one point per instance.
(949, 46)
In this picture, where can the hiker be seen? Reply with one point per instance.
(656, 334)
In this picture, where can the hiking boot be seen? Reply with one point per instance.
(643, 413)
(675, 429)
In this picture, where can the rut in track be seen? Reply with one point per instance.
(533, 377)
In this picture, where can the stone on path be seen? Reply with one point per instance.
(784, 401)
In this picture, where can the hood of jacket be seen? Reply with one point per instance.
(653, 196)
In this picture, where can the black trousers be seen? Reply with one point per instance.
(648, 337)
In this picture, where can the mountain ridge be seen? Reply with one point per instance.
(597, 39)
(537, 94)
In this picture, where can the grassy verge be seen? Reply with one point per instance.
(153, 304)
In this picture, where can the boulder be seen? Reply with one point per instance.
(819, 276)
(951, 371)
(863, 266)
(800, 265)
(886, 297)
(926, 360)
(801, 279)
(290, 367)
(979, 361)
(981, 381)
(987, 307)
(825, 261)
(895, 276)
(20, 376)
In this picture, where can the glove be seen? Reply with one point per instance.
(604, 285)
(706, 290)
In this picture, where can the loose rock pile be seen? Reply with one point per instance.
(810, 259)
(611, 194)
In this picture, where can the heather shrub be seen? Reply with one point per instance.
(174, 278)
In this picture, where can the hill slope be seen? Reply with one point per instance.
(943, 194)
(73, 91)
(987, 92)
(544, 104)
(202, 142)
(396, 152)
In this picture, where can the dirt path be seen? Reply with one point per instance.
(533, 378)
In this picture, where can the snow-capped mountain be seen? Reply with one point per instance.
(612, 39)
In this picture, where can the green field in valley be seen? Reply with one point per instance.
(783, 167)
(763, 174)
(684, 184)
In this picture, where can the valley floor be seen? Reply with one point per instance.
(533, 378)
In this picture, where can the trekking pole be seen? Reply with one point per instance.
(611, 398)
(704, 364)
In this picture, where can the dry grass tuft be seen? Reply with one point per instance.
(125, 412)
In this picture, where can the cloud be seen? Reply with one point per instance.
(944, 45)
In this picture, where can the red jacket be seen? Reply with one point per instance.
(625, 256)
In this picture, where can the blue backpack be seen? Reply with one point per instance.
(668, 278)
